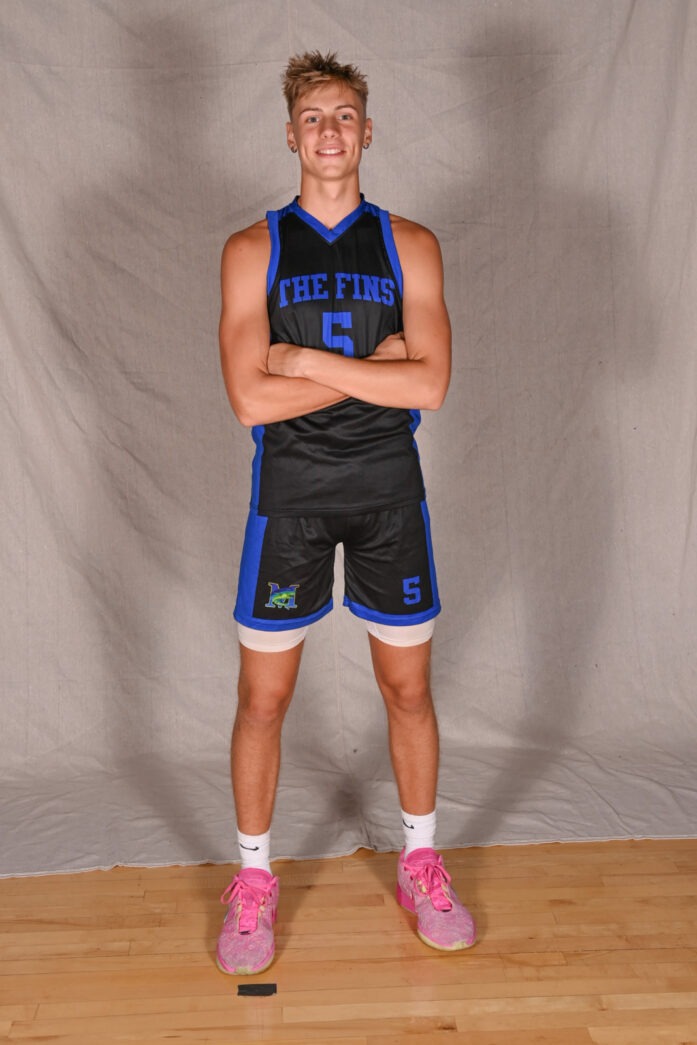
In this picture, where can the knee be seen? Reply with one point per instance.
(407, 696)
(262, 707)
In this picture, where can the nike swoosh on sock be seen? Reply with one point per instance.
(250, 848)
(410, 826)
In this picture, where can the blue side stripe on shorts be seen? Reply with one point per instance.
(431, 560)
(249, 570)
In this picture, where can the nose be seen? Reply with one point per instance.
(329, 128)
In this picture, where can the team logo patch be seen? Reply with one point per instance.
(281, 598)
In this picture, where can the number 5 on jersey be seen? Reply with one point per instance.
(342, 320)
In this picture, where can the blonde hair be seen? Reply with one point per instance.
(311, 69)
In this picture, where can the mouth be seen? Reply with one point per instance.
(330, 150)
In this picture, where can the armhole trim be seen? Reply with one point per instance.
(272, 219)
(391, 247)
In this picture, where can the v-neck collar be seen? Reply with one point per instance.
(330, 235)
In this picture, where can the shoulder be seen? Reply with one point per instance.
(416, 245)
(253, 238)
(411, 236)
(246, 253)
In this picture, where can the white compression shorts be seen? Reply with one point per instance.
(278, 641)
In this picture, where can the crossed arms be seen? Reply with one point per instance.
(410, 370)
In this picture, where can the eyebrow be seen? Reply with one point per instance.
(317, 108)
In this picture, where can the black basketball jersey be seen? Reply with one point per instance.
(336, 290)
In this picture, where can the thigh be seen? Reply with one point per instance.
(402, 673)
(286, 573)
(267, 680)
(389, 569)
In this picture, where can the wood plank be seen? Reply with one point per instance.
(684, 1035)
(581, 943)
(556, 1036)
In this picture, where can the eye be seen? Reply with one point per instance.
(346, 116)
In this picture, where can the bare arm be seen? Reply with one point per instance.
(256, 396)
(418, 381)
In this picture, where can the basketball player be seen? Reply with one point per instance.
(350, 300)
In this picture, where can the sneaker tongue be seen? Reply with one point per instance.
(438, 898)
(255, 883)
(249, 916)
(435, 877)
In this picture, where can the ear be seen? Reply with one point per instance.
(368, 132)
(290, 137)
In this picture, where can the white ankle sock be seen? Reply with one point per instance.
(419, 831)
(254, 850)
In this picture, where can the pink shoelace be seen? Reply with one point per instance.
(431, 879)
(250, 900)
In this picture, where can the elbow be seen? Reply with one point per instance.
(431, 385)
(243, 409)
(436, 401)
(247, 418)
(435, 396)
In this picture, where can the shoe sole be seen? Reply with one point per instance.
(461, 946)
(243, 970)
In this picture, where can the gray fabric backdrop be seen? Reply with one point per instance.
(550, 144)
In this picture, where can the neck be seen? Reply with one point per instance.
(329, 202)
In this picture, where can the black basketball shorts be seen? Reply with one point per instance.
(287, 568)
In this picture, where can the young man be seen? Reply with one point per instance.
(350, 300)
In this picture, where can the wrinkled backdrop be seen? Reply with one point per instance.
(551, 146)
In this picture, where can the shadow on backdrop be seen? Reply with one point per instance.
(540, 449)
(142, 242)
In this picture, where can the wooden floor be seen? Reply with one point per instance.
(579, 943)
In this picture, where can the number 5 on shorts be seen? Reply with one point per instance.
(412, 591)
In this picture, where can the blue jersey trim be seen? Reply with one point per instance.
(272, 217)
(258, 437)
(392, 618)
(281, 625)
(391, 247)
(330, 235)
(415, 422)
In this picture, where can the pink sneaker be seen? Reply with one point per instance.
(423, 887)
(246, 943)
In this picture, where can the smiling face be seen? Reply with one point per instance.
(329, 129)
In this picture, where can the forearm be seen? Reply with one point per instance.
(413, 384)
(269, 398)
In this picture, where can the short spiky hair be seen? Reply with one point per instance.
(305, 71)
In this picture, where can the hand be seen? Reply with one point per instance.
(392, 348)
(285, 360)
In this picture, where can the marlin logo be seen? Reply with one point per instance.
(281, 598)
